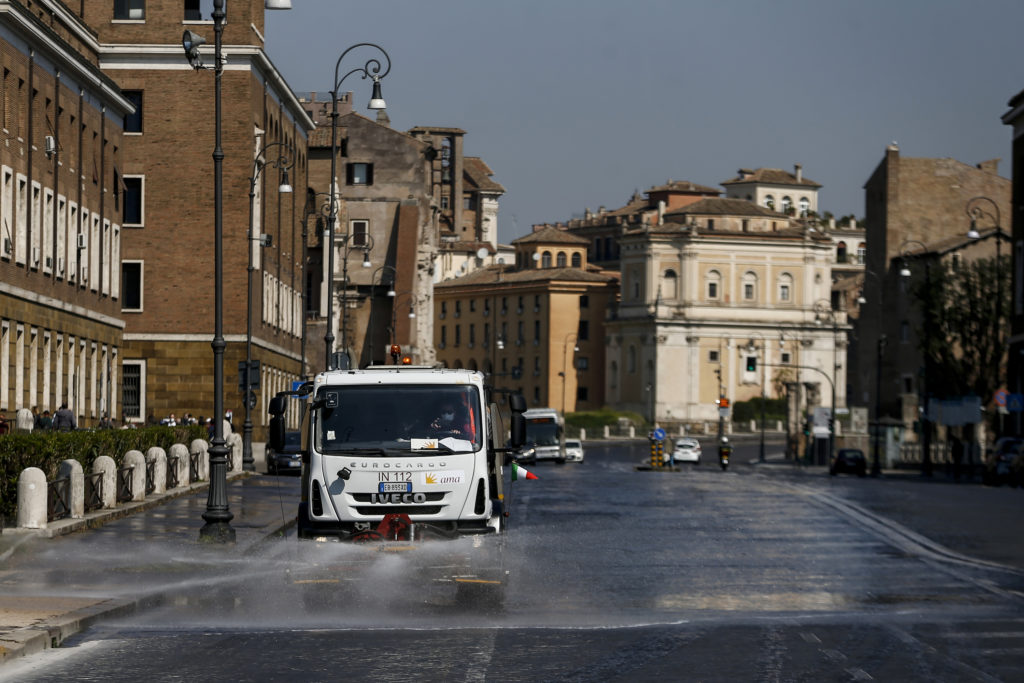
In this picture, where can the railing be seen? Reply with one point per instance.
(150, 477)
(124, 484)
(94, 491)
(172, 471)
(193, 466)
(58, 499)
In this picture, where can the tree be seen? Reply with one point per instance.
(962, 329)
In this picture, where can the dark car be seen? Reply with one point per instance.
(999, 462)
(849, 460)
(288, 459)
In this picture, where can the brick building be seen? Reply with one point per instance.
(61, 215)
(915, 211)
(167, 257)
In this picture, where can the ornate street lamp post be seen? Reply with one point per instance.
(823, 311)
(372, 69)
(217, 516)
(284, 161)
(975, 210)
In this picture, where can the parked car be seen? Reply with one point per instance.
(849, 460)
(687, 449)
(1000, 462)
(287, 460)
(573, 450)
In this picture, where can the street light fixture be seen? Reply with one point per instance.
(217, 516)
(976, 211)
(917, 249)
(372, 69)
(284, 161)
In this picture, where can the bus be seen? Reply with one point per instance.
(543, 436)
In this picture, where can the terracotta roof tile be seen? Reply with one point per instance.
(773, 176)
(551, 235)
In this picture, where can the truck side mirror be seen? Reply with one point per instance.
(517, 404)
(275, 436)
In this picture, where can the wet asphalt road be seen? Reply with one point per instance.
(614, 574)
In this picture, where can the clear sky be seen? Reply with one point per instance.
(576, 104)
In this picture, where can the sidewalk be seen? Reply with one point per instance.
(33, 617)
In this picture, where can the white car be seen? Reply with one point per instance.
(687, 450)
(573, 450)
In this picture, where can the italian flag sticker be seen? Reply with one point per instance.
(520, 472)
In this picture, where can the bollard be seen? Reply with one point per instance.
(157, 458)
(201, 450)
(632, 432)
(72, 469)
(108, 467)
(137, 461)
(181, 452)
(607, 431)
(583, 434)
(32, 499)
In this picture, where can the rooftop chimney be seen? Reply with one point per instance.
(799, 173)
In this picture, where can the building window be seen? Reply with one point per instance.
(131, 285)
(561, 260)
(129, 9)
(359, 174)
(133, 389)
(631, 360)
(583, 331)
(769, 201)
(472, 334)
(711, 224)
(133, 122)
(458, 308)
(805, 206)
(444, 203)
(133, 200)
(458, 334)
(712, 282)
(468, 202)
(577, 260)
(749, 286)
(785, 288)
(787, 204)
(862, 252)
(536, 332)
(444, 336)
(581, 393)
(444, 308)
(582, 363)
(841, 252)
(545, 260)
(713, 356)
(359, 230)
(786, 358)
(584, 301)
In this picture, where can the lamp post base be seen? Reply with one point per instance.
(217, 532)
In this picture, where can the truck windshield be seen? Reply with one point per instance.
(389, 418)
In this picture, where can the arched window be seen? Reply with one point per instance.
(561, 259)
(545, 260)
(750, 286)
(841, 252)
(713, 285)
(787, 204)
(805, 206)
(785, 293)
(670, 288)
(862, 252)
(769, 201)
(577, 260)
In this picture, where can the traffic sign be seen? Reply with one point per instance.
(659, 434)
(1001, 396)
(252, 400)
(1015, 403)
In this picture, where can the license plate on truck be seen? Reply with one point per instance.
(394, 487)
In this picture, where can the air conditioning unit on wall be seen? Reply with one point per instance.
(81, 241)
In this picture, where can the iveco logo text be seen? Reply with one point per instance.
(392, 498)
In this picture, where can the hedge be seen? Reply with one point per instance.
(46, 450)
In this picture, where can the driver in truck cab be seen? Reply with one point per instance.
(454, 420)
